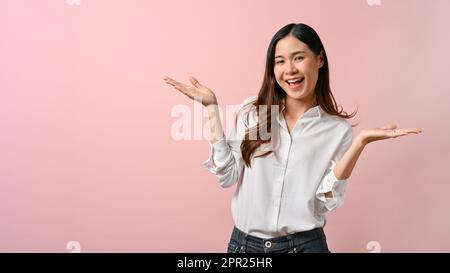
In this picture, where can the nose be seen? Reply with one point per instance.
(291, 69)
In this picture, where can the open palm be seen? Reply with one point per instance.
(388, 131)
(197, 91)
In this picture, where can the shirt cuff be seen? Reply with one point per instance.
(219, 155)
(337, 187)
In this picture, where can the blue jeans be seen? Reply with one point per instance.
(312, 241)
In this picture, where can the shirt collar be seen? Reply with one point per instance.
(313, 112)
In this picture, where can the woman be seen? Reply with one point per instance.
(291, 151)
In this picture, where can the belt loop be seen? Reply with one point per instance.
(291, 241)
(242, 241)
(319, 232)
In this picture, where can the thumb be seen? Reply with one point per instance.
(194, 81)
(390, 126)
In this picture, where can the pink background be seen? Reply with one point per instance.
(86, 152)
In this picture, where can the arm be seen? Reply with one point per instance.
(205, 96)
(344, 167)
(214, 123)
(224, 161)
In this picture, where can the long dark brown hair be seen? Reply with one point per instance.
(272, 94)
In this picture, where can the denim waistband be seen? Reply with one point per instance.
(278, 242)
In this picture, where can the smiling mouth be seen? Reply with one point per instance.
(295, 83)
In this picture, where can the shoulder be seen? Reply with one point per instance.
(337, 124)
(247, 102)
(246, 106)
(245, 112)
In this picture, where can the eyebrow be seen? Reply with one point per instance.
(293, 53)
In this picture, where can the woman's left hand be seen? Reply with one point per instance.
(389, 131)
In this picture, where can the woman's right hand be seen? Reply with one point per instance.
(199, 92)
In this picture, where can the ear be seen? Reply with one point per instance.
(321, 59)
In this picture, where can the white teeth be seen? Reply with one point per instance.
(294, 81)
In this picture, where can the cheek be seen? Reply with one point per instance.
(312, 67)
(310, 71)
(313, 74)
(277, 74)
(305, 67)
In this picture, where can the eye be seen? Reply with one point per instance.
(299, 58)
(278, 62)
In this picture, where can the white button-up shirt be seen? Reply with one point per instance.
(284, 192)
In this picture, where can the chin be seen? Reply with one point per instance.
(295, 94)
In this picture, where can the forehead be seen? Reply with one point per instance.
(288, 45)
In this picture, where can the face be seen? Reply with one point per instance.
(296, 68)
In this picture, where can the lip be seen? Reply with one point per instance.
(294, 79)
(298, 87)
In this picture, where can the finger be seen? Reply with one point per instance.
(168, 79)
(171, 81)
(389, 126)
(396, 133)
(413, 130)
(174, 83)
(179, 86)
(402, 132)
(194, 81)
(406, 131)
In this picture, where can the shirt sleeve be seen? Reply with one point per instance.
(329, 182)
(225, 160)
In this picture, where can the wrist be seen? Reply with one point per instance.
(213, 107)
(360, 142)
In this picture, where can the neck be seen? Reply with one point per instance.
(295, 108)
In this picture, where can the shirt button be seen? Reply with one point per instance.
(268, 244)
